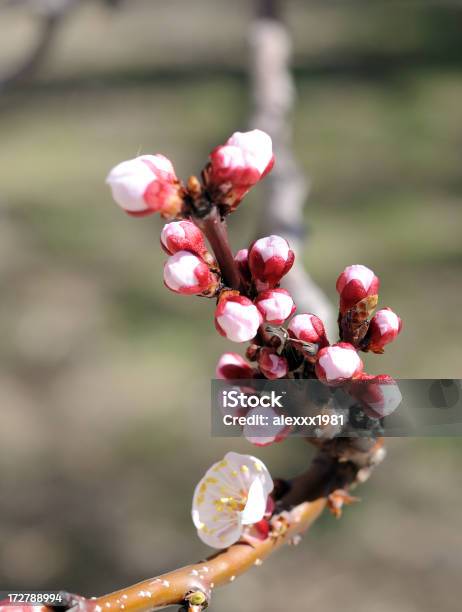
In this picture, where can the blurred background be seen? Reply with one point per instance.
(104, 392)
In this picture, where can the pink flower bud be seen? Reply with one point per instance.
(270, 259)
(271, 364)
(236, 317)
(184, 236)
(338, 363)
(236, 166)
(232, 366)
(242, 260)
(354, 284)
(308, 328)
(270, 432)
(379, 395)
(385, 325)
(275, 305)
(145, 185)
(185, 273)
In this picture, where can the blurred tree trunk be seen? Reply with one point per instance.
(273, 92)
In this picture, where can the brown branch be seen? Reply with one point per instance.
(216, 233)
(222, 568)
(339, 464)
(47, 28)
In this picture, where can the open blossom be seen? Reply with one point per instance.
(232, 494)
(232, 366)
(236, 166)
(354, 284)
(275, 305)
(184, 236)
(379, 395)
(185, 273)
(338, 363)
(271, 364)
(237, 318)
(145, 185)
(267, 433)
(270, 258)
(308, 328)
(385, 325)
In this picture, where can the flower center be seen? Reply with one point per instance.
(231, 503)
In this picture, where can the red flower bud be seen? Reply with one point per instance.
(270, 259)
(236, 317)
(308, 328)
(238, 165)
(185, 273)
(262, 529)
(184, 236)
(232, 366)
(271, 364)
(354, 284)
(379, 395)
(275, 305)
(145, 185)
(338, 363)
(385, 325)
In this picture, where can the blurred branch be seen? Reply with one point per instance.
(273, 91)
(338, 464)
(46, 34)
(48, 16)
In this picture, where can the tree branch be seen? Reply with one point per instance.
(337, 465)
(216, 233)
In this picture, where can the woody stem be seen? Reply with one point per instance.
(216, 233)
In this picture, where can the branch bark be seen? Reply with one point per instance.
(216, 233)
(338, 465)
(222, 568)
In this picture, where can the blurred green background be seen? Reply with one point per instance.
(105, 374)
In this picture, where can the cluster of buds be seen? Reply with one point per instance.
(190, 269)
(239, 317)
(252, 307)
(148, 183)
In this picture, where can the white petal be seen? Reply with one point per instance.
(391, 399)
(256, 504)
(386, 320)
(256, 145)
(173, 229)
(301, 323)
(239, 322)
(339, 362)
(262, 434)
(179, 271)
(361, 273)
(278, 306)
(128, 181)
(272, 246)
